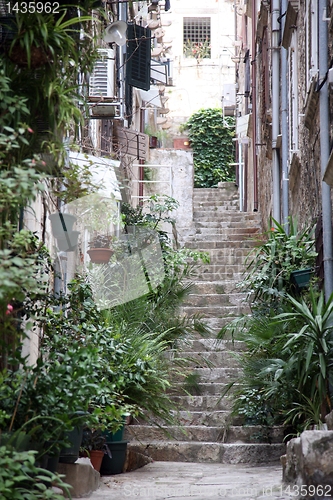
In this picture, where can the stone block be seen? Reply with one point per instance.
(316, 460)
(329, 421)
(83, 478)
(291, 470)
(309, 461)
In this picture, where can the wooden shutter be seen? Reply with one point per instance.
(138, 57)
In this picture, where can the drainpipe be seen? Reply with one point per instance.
(325, 150)
(254, 108)
(122, 16)
(276, 108)
(284, 127)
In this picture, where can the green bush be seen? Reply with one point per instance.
(211, 137)
(21, 479)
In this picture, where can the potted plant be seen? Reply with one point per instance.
(99, 249)
(94, 446)
(62, 229)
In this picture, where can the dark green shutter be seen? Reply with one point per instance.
(138, 56)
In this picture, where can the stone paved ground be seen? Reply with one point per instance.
(195, 481)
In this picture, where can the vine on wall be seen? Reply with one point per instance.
(211, 136)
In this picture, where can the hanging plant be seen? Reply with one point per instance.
(211, 137)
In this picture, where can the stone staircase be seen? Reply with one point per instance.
(207, 433)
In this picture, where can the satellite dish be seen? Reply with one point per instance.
(116, 33)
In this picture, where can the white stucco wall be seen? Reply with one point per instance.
(200, 84)
(174, 178)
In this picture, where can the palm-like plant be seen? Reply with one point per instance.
(270, 264)
(314, 345)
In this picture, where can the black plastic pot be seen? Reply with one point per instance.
(115, 464)
(70, 454)
(114, 436)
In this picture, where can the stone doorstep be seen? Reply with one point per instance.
(210, 452)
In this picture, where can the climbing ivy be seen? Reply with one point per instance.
(213, 148)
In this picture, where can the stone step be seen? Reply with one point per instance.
(227, 222)
(203, 389)
(203, 403)
(220, 432)
(234, 238)
(223, 206)
(227, 231)
(207, 244)
(219, 287)
(212, 345)
(210, 452)
(230, 217)
(222, 359)
(174, 433)
(254, 434)
(216, 311)
(212, 299)
(188, 420)
(217, 268)
(215, 324)
(232, 273)
(211, 375)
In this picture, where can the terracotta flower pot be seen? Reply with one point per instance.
(100, 255)
(96, 458)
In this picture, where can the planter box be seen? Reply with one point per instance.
(301, 278)
(181, 143)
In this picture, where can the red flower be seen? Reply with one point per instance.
(10, 309)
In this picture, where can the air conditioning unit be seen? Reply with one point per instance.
(102, 79)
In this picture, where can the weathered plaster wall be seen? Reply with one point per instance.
(196, 84)
(177, 168)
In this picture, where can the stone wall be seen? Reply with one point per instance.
(305, 167)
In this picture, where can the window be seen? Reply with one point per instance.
(196, 37)
(311, 40)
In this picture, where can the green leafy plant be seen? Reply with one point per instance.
(21, 479)
(213, 148)
(270, 264)
(199, 50)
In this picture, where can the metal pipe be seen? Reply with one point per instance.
(276, 108)
(325, 150)
(284, 127)
(240, 173)
(122, 16)
(254, 109)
